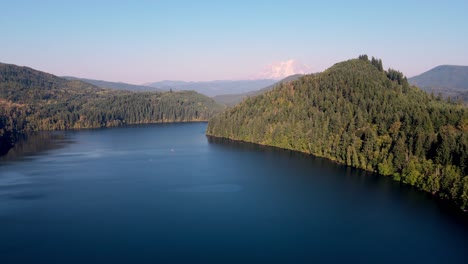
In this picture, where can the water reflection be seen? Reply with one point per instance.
(32, 144)
(362, 182)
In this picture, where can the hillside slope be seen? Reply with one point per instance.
(357, 114)
(31, 100)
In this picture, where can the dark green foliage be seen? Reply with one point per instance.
(377, 63)
(357, 114)
(363, 57)
(31, 100)
(398, 76)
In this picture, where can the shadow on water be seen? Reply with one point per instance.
(35, 143)
(375, 182)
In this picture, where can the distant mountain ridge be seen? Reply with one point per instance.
(115, 85)
(233, 99)
(214, 88)
(449, 80)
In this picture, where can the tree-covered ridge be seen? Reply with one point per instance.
(31, 100)
(360, 115)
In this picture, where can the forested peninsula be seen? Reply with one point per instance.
(31, 100)
(358, 114)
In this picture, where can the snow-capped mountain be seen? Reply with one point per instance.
(282, 69)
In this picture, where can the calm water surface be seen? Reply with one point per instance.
(168, 194)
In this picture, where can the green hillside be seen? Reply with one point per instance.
(31, 100)
(357, 114)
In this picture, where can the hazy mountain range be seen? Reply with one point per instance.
(208, 88)
(213, 88)
(269, 76)
(448, 80)
(233, 99)
(115, 85)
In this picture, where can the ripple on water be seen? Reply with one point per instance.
(13, 178)
(215, 188)
(26, 195)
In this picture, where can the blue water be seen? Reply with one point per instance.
(168, 194)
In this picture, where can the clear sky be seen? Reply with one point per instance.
(144, 41)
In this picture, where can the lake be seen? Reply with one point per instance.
(168, 194)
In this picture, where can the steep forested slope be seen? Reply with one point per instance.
(358, 114)
(32, 100)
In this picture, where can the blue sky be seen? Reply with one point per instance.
(144, 41)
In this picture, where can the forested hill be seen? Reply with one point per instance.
(32, 100)
(360, 115)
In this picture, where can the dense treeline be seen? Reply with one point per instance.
(31, 100)
(360, 115)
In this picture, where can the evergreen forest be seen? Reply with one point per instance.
(358, 114)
